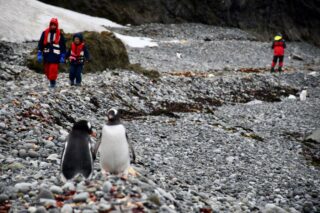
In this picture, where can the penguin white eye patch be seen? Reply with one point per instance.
(89, 125)
(114, 110)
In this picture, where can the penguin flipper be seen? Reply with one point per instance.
(132, 150)
(95, 150)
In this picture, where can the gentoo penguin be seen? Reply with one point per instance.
(114, 146)
(303, 94)
(77, 157)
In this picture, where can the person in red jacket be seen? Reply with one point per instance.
(77, 55)
(52, 50)
(278, 47)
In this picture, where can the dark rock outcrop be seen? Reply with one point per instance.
(297, 19)
(312, 146)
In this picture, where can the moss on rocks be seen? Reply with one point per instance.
(106, 51)
(137, 68)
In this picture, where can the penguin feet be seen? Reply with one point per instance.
(132, 171)
(129, 172)
(104, 173)
(63, 178)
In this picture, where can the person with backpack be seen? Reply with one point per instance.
(278, 47)
(77, 55)
(51, 51)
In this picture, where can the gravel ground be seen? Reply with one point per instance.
(205, 48)
(220, 141)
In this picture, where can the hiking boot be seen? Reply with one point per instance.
(280, 69)
(52, 84)
(272, 69)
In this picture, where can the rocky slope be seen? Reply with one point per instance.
(207, 140)
(297, 19)
(196, 47)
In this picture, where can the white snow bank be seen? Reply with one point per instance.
(137, 42)
(254, 102)
(24, 20)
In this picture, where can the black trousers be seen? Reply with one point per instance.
(275, 60)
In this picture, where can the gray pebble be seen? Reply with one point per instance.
(41, 209)
(44, 193)
(81, 197)
(33, 154)
(23, 187)
(23, 153)
(66, 209)
(56, 190)
(3, 197)
(107, 186)
(104, 207)
(69, 186)
(307, 207)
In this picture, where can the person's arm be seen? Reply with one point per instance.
(62, 44)
(68, 53)
(86, 53)
(40, 43)
(284, 44)
(272, 47)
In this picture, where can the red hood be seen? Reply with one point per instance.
(54, 21)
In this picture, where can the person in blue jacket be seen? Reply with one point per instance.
(51, 51)
(78, 55)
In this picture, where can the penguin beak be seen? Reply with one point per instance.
(94, 134)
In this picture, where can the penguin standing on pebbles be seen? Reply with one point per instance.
(78, 156)
(303, 94)
(114, 146)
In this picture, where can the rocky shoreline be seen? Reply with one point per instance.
(209, 141)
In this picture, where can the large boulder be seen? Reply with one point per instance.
(106, 51)
(297, 19)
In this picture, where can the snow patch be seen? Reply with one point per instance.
(292, 97)
(254, 102)
(25, 20)
(136, 42)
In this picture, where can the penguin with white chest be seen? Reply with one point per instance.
(114, 146)
(78, 156)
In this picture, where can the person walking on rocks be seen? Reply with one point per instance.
(278, 47)
(78, 55)
(52, 50)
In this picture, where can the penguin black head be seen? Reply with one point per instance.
(113, 116)
(83, 126)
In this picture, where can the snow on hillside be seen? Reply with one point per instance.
(25, 20)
